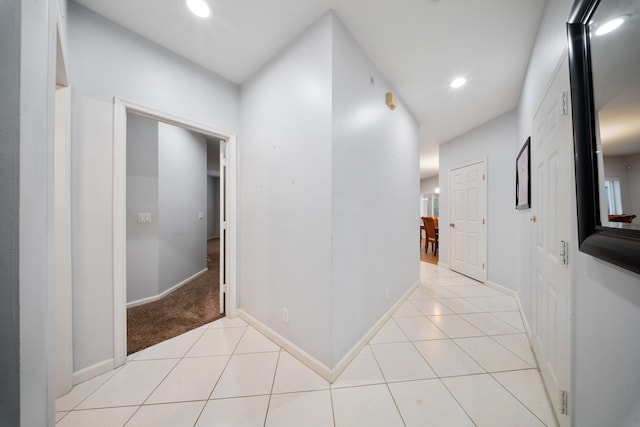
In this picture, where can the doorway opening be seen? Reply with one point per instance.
(429, 207)
(173, 245)
(124, 110)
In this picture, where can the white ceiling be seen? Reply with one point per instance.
(419, 46)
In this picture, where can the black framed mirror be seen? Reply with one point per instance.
(604, 63)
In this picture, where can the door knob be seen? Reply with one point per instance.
(452, 224)
(533, 219)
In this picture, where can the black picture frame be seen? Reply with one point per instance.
(618, 246)
(523, 177)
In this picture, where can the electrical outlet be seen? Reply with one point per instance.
(285, 316)
(144, 217)
(386, 293)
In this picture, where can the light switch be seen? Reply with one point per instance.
(200, 215)
(144, 217)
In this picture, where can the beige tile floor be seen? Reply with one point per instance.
(454, 354)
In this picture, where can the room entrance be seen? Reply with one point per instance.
(226, 217)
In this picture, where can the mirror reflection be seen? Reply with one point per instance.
(615, 57)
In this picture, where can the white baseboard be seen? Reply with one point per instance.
(443, 265)
(515, 295)
(355, 350)
(165, 293)
(501, 288)
(93, 371)
(320, 368)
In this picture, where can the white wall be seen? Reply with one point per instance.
(375, 194)
(106, 61)
(615, 167)
(36, 313)
(182, 196)
(606, 299)
(284, 199)
(634, 189)
(333, 174)
(549, 48)
(143, 264)
(494, 141)
(166, 177)
(429, 185)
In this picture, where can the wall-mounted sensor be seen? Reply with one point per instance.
(391, 101)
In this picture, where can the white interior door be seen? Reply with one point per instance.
(551, 149)
(224, 243)
(468, 207)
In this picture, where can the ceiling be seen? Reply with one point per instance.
(616, 85)
(418, 45)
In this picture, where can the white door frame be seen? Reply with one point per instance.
(63, 299)
(121, 108)
(486, 208)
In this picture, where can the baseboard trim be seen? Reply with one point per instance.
(442, 264)
(515, 295)
(167, 292)
(501, 288)
(93, 371)
(355, 350)
(320, 368)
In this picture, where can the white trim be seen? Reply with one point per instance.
(501, 288)
(523, 317)
(355, 350)
(525, 321)
(232, 226)
(62, 286)
(444, 265)
(119, 233)
(120, 108)
(93, 371)
(320, 368)
(167, 292)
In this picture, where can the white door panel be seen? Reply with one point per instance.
(467, 226)
(551, 150)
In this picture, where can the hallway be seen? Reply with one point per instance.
(454, 354)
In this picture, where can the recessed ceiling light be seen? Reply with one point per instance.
(199, 8)
(609, 26)
(459, 82)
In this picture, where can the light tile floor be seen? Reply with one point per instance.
(454, 354)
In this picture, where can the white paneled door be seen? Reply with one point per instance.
(467, 227)
(551, 150)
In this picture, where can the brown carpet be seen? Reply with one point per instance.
(190, 306)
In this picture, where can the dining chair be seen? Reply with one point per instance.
(432, 236)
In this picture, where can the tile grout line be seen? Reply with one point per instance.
(386, 383)
(180, 359)
(516, 397)
(221, 373)
(273, 381)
